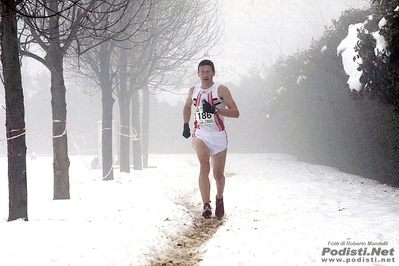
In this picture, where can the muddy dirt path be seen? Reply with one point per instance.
(187, 248)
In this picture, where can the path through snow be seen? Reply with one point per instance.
(187, 248)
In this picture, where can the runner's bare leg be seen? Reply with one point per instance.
(203, 155)
(218, 164)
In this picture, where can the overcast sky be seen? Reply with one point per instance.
(257, 32)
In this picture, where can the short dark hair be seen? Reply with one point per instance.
(207, 62)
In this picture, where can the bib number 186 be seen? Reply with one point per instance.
(202, 117)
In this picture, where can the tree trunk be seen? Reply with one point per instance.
(54, 58)
(137, 158)
(125, 135)
(124, 108)
(59, 115)
(107, 104)
(15, 114)
(146, 124)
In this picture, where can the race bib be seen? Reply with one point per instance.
(202, 117)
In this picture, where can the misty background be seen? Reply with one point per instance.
(255, 35)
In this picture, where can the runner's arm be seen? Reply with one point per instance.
(231, 110)
(187, 106)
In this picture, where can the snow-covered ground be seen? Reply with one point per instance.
(279, 211)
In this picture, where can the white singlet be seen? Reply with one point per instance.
(209, 127)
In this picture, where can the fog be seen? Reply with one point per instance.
(256, 34)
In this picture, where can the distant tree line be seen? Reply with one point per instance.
(313, 114)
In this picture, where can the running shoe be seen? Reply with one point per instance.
(219, 212)
(207, 212)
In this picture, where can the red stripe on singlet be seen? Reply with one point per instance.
(218, 121)
(197, 103)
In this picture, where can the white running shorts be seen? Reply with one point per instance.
(216, 141)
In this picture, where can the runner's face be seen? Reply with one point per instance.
(206, 74)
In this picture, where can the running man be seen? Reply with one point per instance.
(210, 100)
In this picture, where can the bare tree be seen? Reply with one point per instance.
(15, 112)
(125, 96)
(56, 25)
(101, 66)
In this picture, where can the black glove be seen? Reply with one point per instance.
(186, 131)
(208, 108)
